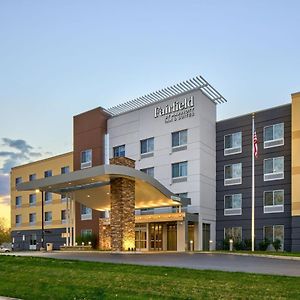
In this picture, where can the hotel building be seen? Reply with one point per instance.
(160, 173)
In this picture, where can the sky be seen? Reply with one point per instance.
(60, 58)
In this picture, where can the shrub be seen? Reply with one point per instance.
(263, 245)
(248, 244)
(238, 245)
(277, 244)
(86, 238)
(226, 244)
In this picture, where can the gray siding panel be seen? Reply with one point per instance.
(244, 124)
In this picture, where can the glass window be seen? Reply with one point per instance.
(48, 216)
(65, 170)
(274, 197)
(86, 212)
(18, 201)
(274, 132)
(272, 233)
(147, 145)
(182, 195)
(86, 232)
(18, 219)
(148, 171)
(234, 233)
(233, 201)
(32, 218)
(179, 169)
(86, 159)
(119, 151)
(63, 215)
(18, 180)
(233, 171)
(48, 173)
(32, 199)
(233, 140)
(48, 197)
(32, 177)
(179, 138)
(274, 166)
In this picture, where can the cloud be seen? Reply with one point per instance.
(20, 145)
(4, 200)
(21, 153)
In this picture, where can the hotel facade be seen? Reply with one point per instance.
(159, 173)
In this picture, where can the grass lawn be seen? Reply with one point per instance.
(42, 278)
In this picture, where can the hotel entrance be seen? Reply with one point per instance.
(156, 236)
(141, 237)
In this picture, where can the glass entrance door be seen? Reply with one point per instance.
(156, 237)
(172, 237)
(205, 236)
(140, 237)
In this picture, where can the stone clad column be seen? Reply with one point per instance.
(122, 213)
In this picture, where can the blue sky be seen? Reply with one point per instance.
(59, 58)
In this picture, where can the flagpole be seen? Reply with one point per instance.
(253, 188)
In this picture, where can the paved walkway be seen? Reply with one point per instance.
(201, 261)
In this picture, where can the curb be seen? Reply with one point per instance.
(256, 255)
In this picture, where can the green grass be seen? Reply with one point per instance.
(40, 278)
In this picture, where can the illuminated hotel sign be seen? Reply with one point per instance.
(176, 111)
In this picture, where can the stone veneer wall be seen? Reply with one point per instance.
(122, 213)
(104, 234)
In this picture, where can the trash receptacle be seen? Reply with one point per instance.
(49, 246)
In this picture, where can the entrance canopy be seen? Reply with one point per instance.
(91, 187)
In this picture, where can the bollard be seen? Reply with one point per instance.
(230, 244)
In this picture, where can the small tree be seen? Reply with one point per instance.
(277, 244)
(4, 232)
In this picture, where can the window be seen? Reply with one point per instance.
(48, 197)
(18, 180)
(179, 140)
(233, 174)
(48, 217)
(147, 147)
(86, 232)
(274, 168)
(274, 201)
(48, 173)
(18, 220)
(233, 143)
(179, 171)
(86, 212)
(119, 151)
(32, 218)
(274, 135)
(234, 233)
(182, 195)
(63, 216)
(63, 197)
(32, 177)
(65, 170)
(18, 201)
(272, 233)
(148, 171)
(32, 199)
(233, 205)
(86, 159)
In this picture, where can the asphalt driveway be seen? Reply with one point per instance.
(201, 261)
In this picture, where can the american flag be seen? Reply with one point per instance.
(255, 146)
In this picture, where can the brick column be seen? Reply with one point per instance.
(122, 214)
